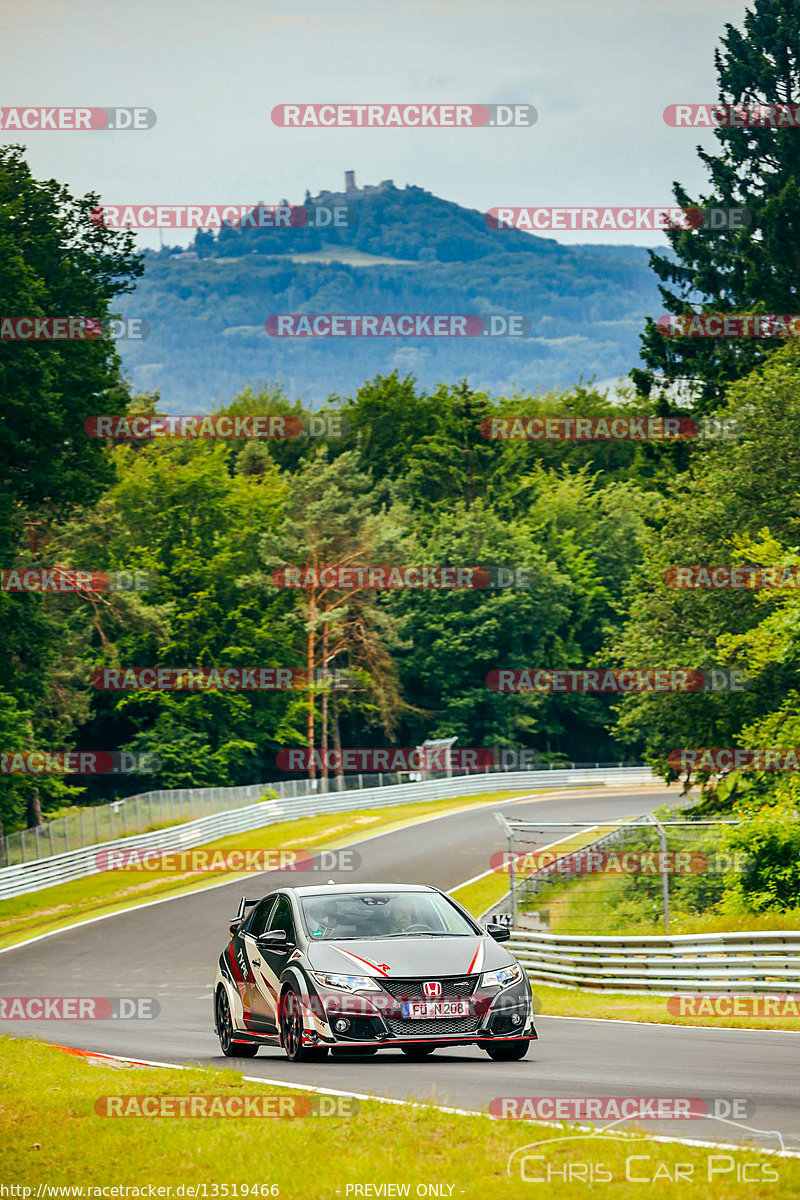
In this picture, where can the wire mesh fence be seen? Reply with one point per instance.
(567, 878)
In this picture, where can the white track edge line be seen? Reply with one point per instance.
(462, 1112)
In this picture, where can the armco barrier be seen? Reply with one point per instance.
(125, 816)
(20, 878)
(705, 962)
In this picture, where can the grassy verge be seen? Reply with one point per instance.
(564, 1002)
(38, 912)
(604, 904)
(50, 1133)
(477, 897)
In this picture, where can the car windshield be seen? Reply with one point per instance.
(383, 915)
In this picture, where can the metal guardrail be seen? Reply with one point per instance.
(26, 877)
(707, 962)
(147, 811)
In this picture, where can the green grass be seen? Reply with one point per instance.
(39, 912)
(566, 1002)
(50, 1133)
(599, 904)
(477, 897)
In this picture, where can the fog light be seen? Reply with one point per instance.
(342, 1025)
(515, 1018)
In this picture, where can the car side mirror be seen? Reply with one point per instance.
(273, 938)
(500, 933)
(234, 925)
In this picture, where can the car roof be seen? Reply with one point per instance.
(340, 889)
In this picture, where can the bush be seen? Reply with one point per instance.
(770, 836)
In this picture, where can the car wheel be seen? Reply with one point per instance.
(292, 1031)
(507, 1051)
(417, 1051)
(229, 1047)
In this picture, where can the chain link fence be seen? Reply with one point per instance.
(570, 879)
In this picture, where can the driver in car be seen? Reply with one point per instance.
(407, 916)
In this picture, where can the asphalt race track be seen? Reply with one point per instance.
(168, 951)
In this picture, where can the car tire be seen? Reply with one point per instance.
(292, 1031)
(417, 1052)
(507, 1051)
(228, 1044)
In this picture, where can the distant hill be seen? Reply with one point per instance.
(404, 250)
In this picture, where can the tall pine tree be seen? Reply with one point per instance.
(751, 269)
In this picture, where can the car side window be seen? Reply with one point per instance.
(261, 912)
(282, 919)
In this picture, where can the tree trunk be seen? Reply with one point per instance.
(310, 649)
(323, 741)
(34, 815)
(337, 745)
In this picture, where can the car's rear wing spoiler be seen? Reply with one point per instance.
(244, 904)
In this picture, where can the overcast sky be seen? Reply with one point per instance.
(599, 75)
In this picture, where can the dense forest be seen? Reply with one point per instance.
(399, 471)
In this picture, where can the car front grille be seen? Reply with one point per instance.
(444, 1027)
(453, 986)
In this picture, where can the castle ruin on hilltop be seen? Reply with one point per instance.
(351, 191)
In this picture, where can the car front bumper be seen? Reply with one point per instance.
(371, 1021)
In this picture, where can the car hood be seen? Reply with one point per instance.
(406, 957)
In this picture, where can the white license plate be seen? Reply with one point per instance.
(424, 1010)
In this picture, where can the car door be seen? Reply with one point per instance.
(274, 958)
(262, 1007)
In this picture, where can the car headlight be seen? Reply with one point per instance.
(504, 977)
(347, 983)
